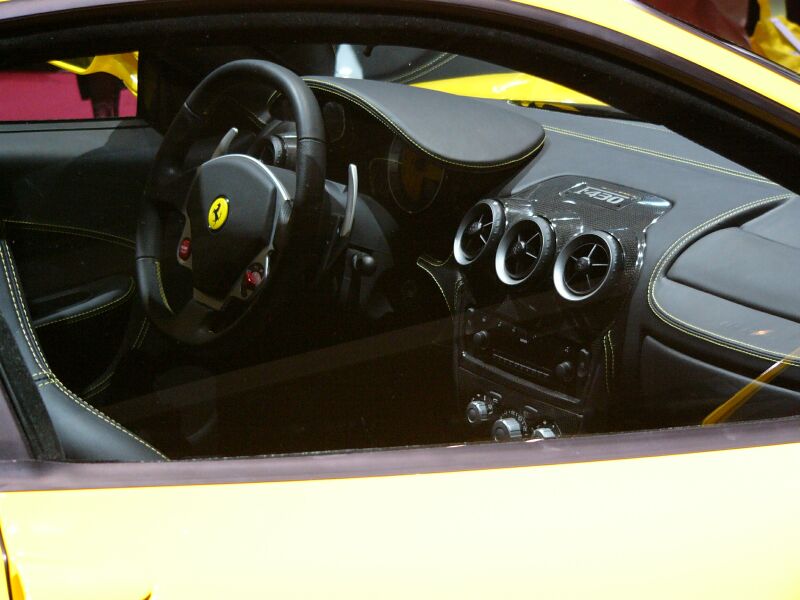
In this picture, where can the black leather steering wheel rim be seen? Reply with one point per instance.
(189, 323)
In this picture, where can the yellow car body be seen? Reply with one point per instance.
(684, 526)
(719, 524)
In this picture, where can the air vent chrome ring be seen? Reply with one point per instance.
(525, 251)
(586, 268)
(479, 232)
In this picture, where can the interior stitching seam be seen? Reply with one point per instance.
(44, 368)
(14, 289)
(691, 329)
(366, 105)
(161, 291)
(613, 363)
(421, 265)
(422, 67)
(96, 311)
(423, 70)
(70, 230)
(659, 154)
(139, 334)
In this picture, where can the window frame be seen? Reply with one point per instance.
(516, 22)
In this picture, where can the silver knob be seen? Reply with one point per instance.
(544, 433)
(477, 412)
(505, 430)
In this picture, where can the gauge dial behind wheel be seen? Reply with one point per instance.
(414, 179)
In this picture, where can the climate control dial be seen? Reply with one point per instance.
(509, 427)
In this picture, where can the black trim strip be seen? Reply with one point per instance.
(30, 475)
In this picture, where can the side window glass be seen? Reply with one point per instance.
(99, 87)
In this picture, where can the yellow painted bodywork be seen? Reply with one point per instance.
(710, 525)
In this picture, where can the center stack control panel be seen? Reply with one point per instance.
(545, 275)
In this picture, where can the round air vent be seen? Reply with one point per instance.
(479, 232)
(587, 266)
(525, 251)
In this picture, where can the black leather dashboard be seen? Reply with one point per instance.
(716, 277)
(455, 130)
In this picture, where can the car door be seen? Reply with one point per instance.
(694, 512)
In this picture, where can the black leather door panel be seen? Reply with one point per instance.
(70, 195)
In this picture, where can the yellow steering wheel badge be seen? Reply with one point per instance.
(218, 213)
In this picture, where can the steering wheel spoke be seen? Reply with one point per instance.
(173, 190)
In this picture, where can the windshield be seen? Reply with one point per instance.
(454, 74)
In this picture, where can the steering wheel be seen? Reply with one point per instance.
(239, 212)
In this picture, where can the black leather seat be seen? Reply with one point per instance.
(85, 432)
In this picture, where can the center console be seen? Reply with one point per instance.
(544, 276)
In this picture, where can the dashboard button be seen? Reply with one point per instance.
(565, 371)
(481, 339)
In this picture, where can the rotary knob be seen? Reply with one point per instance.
(477, 412)
(506, 430)
(565, 371)
(481, 340)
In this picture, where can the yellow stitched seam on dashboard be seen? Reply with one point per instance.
(605, 365)
(421, 265)
(613, 363)
(428, 67)
(658, 154)
(331, 88)
(691, 329)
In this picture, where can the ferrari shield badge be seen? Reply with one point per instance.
(218, 213)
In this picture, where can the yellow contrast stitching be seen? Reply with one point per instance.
(161, 286)
(457, 293)
(421, 265)
(77, 231)
(144, 334)
(365, 104)
(436, 263)
(98, 390)
(613, 362)
(98, 310)
(657, 154)
(605, 365)
(6, 256)
(139, 334)
(689, 328)
(43, 369)
(99, 386)
(434, 64)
